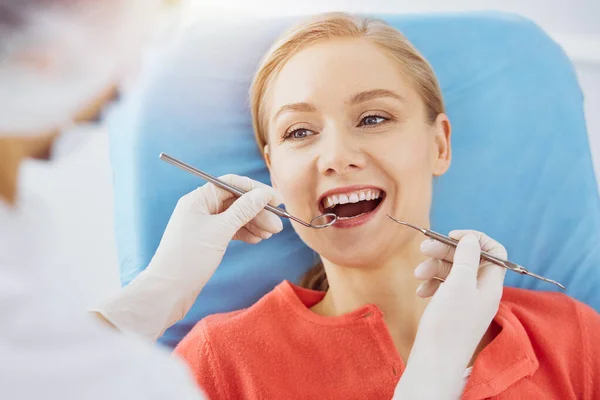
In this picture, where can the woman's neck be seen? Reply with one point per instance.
(391, 286)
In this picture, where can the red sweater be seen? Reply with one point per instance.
(548, 348)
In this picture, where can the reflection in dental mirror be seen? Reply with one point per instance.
(323, 221)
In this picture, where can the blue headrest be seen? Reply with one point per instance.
(521, 169)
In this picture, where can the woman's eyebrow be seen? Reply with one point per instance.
(356, 99)
(297, 107)
(374, 94)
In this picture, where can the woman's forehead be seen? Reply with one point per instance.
(337, 70)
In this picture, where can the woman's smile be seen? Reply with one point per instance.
(353, 205)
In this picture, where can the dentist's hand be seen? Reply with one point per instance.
(206, 220)
(464, 305)
(192, 247)
(459, 313)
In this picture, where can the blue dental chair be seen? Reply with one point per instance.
(521, 169)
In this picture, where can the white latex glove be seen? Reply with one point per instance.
(192, 247)
(459, 313)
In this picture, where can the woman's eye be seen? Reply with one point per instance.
(298, 134)
(371, 120)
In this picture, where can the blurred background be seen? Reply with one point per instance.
(79, 189)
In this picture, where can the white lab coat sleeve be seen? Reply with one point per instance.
(51, 353)
(50, 348)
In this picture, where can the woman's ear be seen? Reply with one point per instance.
(443, 133)
(267, 158)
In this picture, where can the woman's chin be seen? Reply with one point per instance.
(369, 245)
(360, 252)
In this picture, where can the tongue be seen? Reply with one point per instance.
(354, 209)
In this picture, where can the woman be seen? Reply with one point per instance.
(350, 119)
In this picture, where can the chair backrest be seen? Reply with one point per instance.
(521, 170)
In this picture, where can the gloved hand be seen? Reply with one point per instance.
(192, 247)
(459, 313)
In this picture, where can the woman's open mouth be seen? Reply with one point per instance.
(353, 207)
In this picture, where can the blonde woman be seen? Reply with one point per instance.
(350, 119)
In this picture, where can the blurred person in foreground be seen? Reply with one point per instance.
(59, 62)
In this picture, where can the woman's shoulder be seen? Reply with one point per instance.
(541, 305)
(552, 314)
(535, 303)
(236, 327)
(221, 348)
(563, 333)
(517, 297)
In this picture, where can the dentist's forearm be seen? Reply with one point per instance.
(147, 307)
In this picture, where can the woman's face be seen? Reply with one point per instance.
(348, 132)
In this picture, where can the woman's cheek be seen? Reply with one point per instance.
(291, 180)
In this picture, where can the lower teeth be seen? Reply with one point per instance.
(344, 218)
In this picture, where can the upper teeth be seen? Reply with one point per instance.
(351, 197)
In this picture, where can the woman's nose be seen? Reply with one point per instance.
(339, 153)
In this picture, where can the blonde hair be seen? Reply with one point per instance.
(341, 26)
